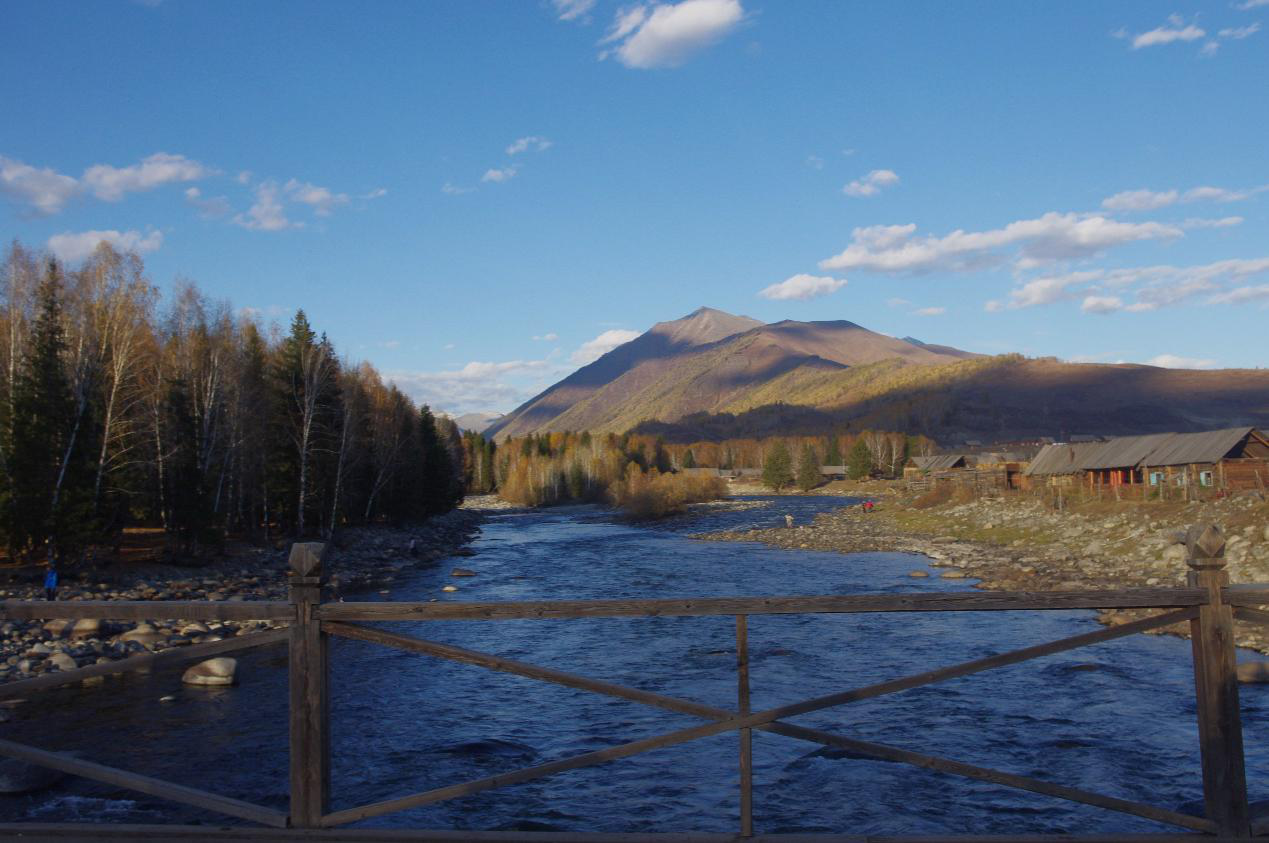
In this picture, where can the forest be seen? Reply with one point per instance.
(648, 475)
(119, 410)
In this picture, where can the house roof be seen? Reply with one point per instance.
(1208, 446)
(1060, 458)
(938, 461)
(1157, 449)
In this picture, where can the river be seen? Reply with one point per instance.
(1116, 718)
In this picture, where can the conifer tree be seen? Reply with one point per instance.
(689, 459)
(777, 469)
(859, 463)
(808, 469)
(833, 453)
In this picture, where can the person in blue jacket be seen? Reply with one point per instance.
(50, 579)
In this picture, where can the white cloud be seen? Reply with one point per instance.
(496, 176)
(1238, 295)
(592, 350)
(454, 190)
(897, 302)
(1150, 200)
(532, 142)
(551, 337)
(476, 386)
(45, 190)
(73, 247)
(667, 34)
(321, 199)
(267, 213)
(1252, 4)
(377, 193)
(1102, 304)
(1172, 361)
(929, 311)
(1174, 30)
(1238, 33)
(449, 346)
(802, 287)
(1223, 222)
(1054, 236)
(112, 183)
(815, 162)
(1048, 289)
(572, 9)
(1140, 200)
(243, 177)
(210, 208)
(871, 184)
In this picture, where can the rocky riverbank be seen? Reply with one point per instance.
(359, 559)
(1022, 544)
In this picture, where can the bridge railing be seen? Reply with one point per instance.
(1208, 603)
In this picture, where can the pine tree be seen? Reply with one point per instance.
(808, 469)
(859, 463)
(689, 459)
(832, 454)
(777, 469)
(576, 481)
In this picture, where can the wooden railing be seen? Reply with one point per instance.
(1208, 603)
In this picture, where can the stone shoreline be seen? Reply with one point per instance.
(1020, 544)
(359, 559)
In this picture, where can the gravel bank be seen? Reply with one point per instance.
(1020, 544)
(359, 559)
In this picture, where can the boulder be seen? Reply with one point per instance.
(62, 661)
(195, 628)
(953, 574)
(1253, 672)
(219, 671)
(918, 573)
(86, 628)
(142, 633)
(449, 588)
(57, 628)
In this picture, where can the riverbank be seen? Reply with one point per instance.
(1021, 544)
(359, 559)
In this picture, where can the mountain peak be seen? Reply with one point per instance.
(703, 325)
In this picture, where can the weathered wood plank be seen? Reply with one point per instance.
(76, 832)
(979, 601)
(986, 774)
(761, 720)
(1216, 687)
(1247, 594)
(142, 661)
(746, 735)
(309, 692)
(1243, 613)
(145, 784)
(136, 610)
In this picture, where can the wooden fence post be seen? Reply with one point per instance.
(1216, 686)
(310, 708)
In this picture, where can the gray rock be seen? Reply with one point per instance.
(142, 633)
(62, 661)
(86, 628)
(213, 672)
(918, 573)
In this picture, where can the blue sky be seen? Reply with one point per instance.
(477, 197)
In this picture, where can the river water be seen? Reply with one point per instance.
(1116, 718)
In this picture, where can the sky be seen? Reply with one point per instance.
(479, 197)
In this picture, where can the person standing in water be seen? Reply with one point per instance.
(50, 579)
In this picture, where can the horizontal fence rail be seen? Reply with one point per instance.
(1208, 604)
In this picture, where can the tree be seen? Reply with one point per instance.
(859, 462)
(808, 469)
(689, 459)
(777, 469)
(832, 454)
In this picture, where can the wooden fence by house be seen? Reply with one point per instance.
(1208, 603)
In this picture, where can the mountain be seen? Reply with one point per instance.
(711, 375)
(476, 422)
(700, 363)
(664, 341)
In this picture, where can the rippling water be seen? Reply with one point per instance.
(1116, 718)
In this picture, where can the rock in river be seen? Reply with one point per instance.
(462, 572)
(218, 671)
(1253, 672)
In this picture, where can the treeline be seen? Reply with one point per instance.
(550, 468)
(115, 411)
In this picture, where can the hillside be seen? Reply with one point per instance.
(705, 362)
(990, 399)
